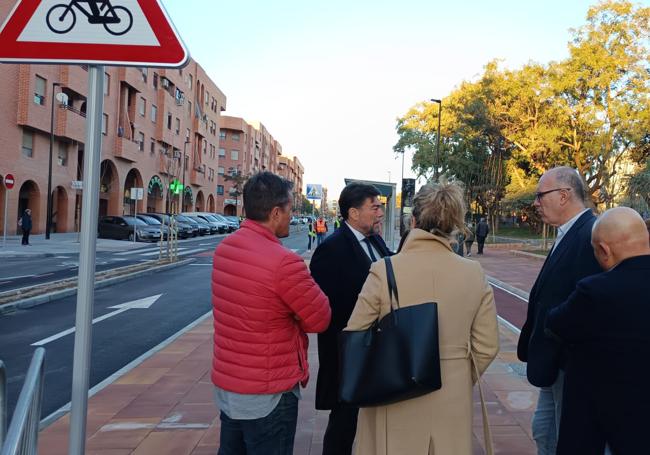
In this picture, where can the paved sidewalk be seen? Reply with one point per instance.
(515, 270)
(65, 243)
(165, 405)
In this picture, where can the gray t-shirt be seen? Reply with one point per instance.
(240, 406)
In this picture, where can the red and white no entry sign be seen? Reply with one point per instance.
(107, 32)
(9, 181)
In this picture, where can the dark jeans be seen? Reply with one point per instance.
(341, 430)
(270, 435)
(25, 240)
(310, 238)
(319, 239)
(481, 243)
(468, 246)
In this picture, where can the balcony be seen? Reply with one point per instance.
(198, 177)
(127, 149)
(70, 123)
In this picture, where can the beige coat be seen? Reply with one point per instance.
(438, 423)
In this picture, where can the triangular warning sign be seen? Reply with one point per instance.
(93, 32)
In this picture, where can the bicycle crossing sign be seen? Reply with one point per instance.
(93, 32)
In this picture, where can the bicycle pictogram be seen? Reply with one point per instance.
(117, 20)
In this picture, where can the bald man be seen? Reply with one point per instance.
(605, 325)
(560, 201)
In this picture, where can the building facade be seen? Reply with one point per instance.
(152, 117)
(247, 147)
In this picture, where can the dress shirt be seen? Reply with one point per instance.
(364, 246)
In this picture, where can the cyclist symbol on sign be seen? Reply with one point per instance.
(117, 20)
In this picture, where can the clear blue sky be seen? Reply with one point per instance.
(329, 79)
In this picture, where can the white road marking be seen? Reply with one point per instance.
(17, 277)
(144, 303)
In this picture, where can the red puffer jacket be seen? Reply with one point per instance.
(264, 301)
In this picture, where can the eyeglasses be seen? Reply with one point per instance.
(539, 195)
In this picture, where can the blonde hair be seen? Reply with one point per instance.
(439, 208)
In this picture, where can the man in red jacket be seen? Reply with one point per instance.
(264, 302)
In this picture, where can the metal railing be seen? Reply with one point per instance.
(22, 437)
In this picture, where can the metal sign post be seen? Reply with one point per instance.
(4, 228)
(86, 286)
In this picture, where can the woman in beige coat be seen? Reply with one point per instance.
(427, 270)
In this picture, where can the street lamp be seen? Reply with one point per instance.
(48, 221)
(438, 139)
(182, 204)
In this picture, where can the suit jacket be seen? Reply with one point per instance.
(572, 260)
(604, 325)
(340, 267)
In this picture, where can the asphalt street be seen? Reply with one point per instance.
(183, 295)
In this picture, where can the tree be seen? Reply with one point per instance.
(639, 184)
(238, 180)
(602, 93)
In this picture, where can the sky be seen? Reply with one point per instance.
(329, 79)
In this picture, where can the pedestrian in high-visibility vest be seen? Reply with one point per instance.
(321, 230)
(311, 234)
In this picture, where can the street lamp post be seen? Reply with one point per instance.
(182, 204)
(48, 221)
(438, 138)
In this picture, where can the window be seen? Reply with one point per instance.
(62, 156)
(205, 147)
(154, 113)
(220, 190)
(142, 106)
(28, 144)
(169, 120)
(155, 80)
(190, 81)
(189, 108)
(145, 73)
(39, 91)
(210, 174)
(222, 134)
(221, 170)
(107, 83)
(187, 135)
(234, 155)
(235, 137)
(207, 97)
(104, 123)
(141, 141)
(222, 152)
(152, 147)
(178, 126)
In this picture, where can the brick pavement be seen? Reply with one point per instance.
(165, 404)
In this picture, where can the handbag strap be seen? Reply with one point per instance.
(392, 284)
(487, 433)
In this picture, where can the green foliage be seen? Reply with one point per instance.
(640, 184)
(590, 111)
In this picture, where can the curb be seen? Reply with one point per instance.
(56, 295)
(508, 288)
(27, 255)
(527, 254)
(49, 420)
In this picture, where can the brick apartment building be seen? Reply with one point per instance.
(152, 118)
(246, 147)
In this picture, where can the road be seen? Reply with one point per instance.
(177, 297)
(184, 297)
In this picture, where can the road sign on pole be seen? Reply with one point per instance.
(9, 181)
(121, 32)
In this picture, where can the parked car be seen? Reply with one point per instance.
(233, 220)
(222, 225)
(151, 221)
(185, 230)
(294, 221)
(125, 227)
(203, 227)
(228, 225)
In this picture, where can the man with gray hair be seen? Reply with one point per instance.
(560, 201)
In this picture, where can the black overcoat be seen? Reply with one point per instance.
(340, 267)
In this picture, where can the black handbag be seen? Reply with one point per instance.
(396, 359)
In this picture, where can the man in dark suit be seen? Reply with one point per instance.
(340, 266)
(560, 202)
(605, 325)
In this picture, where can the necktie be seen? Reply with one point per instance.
(373, 258)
